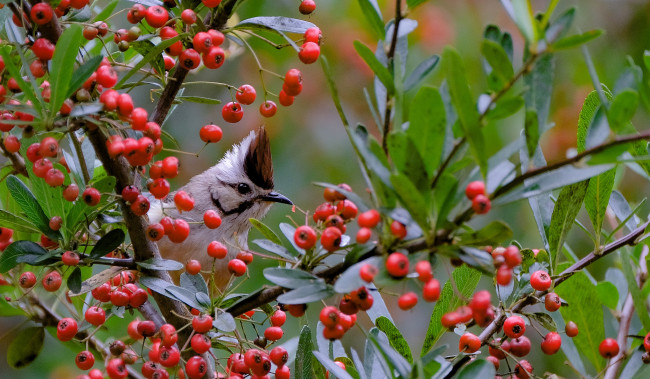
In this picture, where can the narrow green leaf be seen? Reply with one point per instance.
(17, 223)
(524, 18)
(637, 296)
(586, 117)
(307, 294)
(265, 230)
(143, 48)
(608, 294)
(478, 368)
(622, 109)
(559, 27)
(108, 243)
(498, 60)
(302, 369)
(444, 194)
(411, 199)
(290, 278)
(9, 257)
(492, 234)
(407, 159)
(25, 347)
(107, 11)
(585, 309)
(427, 126)
(576, 40)
(597, 198)
(82, 73)
(531, 130)
(151, 55)
(544, 320)
(183, 295)
(392, 357)
(8, 310)
(539, 82)
(28, 203)
(465, 107)
(566, 209)
(194, 283)
(199, 99)
(65, 55)
(646, 59)
(414, 3)
(466, 280)
(373, 17)
(332, 367)
(505, 108)
(395, 338)
(379, 69)
(276, 23)
(160, 264)
(274, 248)
(74, 280)
(421, 72)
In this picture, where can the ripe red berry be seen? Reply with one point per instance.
(329, 316)
(202, 42)
(211, 219)
(41, 167)
(91, 196)
(552, 302)
(398, 229)
(514, 326)
(474, 189)
(232, 112)
(334, 333)
(481, 301)
(12, 144)
(268, 108)
(52, 281)
(169, 356)
(369, 219)
(608, 348)
(347, 306)
(215, 57)
(200, 343)
(70, 258)
(504, 275)
(363, 235)
(296, 310)
(237, 267)
(159, 188)
(520, 347)
(71, 192)
(43, 49)
(188, 16)
(481, 204)
(27, 279)
(397, 265)
(307, 7)
(189, 59)
(41, 13)
(523, 369)
(450, 319)
(211, 3)
(407, 301)
(196, 367)
(278, 318)
(279, 356)
(246, 94)
(156, 16)
(469, 343)
(512, 256)
(309, 52)
(273, 333)
(183, 201)
(431, 290)
(313, 35)
(95, 316)
(540, 280)
(331, 238)
(551, 343)
(423, 268)
(85, 359)
(66, 329)
(140, 206)
(305, 237)
(210, 133)
(367, 272)
(218, 250)
(193, 267)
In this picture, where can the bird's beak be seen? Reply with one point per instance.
(276, 197)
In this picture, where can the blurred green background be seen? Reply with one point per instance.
(309, 143)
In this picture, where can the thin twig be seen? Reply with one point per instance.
(390, 58)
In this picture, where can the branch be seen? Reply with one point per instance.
(390, 55)
(16, 159)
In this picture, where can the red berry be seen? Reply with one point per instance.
(169, 356)
(334, 333)
(273, 333)
(552, 302)
(211, 3)
(646, 341)
(494, 361)
(188, 16)
(285, 99)
(407, 301)
(181, 231)
(41, 167)
(54, 177)
(514, 326)
(450, 319)
(215, 57)
(196, 367)
(156, 16)
(268, 108)
(12, 144)
(279, 356)
(305, 237)
(398, 229)
(85, 359)
(217, 37)
(499, 352)
(367, 272)
(504, 275)
(331, 238)
(159, 188)
(119, 298)
(520, 347)
(189, 59)
(369, 219)
(347, 306)
(193, 267)
(91, 196)
(202, 42)
(41, 13)
(200, 343)
(210, 133)
(313, 35)
(130, 193)
(232, 112)
(363, 235)
(140, 206)
(66, 329)
(95, 316)
(423, 268)
(52, 281)
(70, 258)
(540, 280)
(465, 313)
(329, 316)
(183, 201)
(469, 343)
(217, 250)
(246, 94)
(43, 49)
(237, 267)
(346, 209)
(397, 265)
(431, 290)
(523, 369)
(170, 167)
(481, 204)
(551, 343)
(278, 318)
(146, 328)
(608, 348)
(474, 189)
(307, 6)
(309, 52)
(107, 77)
(27, 280)
(168, 334)
(512, 256)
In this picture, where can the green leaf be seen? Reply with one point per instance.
(392, 357)
(505, 107)
(82, 73)
(421, 72)
(265, 230)
(466, 280)
(17, 223)
(108, 243)
(274, 248)
(523, 17)
(224, 321)
(15, 73)
(411, 199)
(598, 193)
(544, 320)
(478, 368)
(282, 24)
(107, 11)
(608, 294)
(307, 294)
(558, 28)
(183, 295)
(531, 130)
(395, 338)
(622, 109)
(65, 55)
(498, 60)
(74, 280)
(155, 284)
(143, 48)
(444, 195)
(28, 203)
(427, 126)
(373, 17)
(566, 209)
(539, 83)
(8, 310)
(332, 367)
(25, 347)
(465, 108)
(407, 160)
(587, 113)
(492, 234)
(576, 40)
(290, 278)
(151, 55)
(379, 69)
(194, 283)
(199, 99)
(637, 296)
(414, 3)
(585, 309)
(160, 264)
(302, 369)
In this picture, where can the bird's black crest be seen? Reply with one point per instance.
(258, 165)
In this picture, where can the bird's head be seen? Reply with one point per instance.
(241, 184)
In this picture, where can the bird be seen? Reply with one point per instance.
(239, 187)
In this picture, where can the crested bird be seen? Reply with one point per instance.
(239, 187)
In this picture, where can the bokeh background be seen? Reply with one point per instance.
(309, 143)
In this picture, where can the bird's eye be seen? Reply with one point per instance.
(243, 188)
